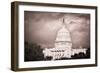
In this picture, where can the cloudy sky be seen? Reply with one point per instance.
(42, 28)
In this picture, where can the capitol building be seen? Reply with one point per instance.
(63, 46)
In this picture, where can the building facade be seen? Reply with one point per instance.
(63, 46)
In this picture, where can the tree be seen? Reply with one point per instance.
(33, 52)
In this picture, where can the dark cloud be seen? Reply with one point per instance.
(42, 27)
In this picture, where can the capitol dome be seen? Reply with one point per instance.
(63, 35)
(63, 38)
